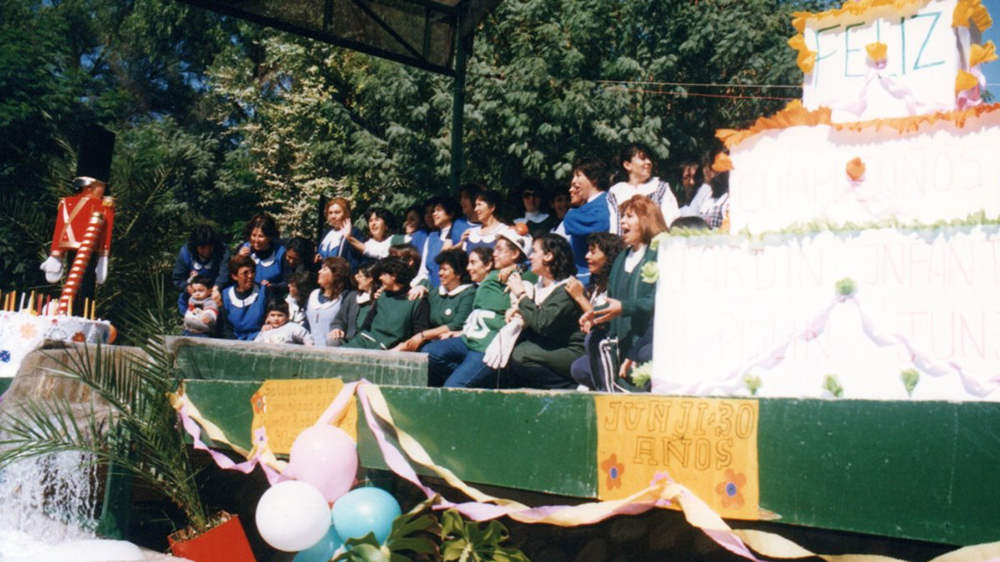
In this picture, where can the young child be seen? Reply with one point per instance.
(277, 328)
(202, 311)
(393, 317)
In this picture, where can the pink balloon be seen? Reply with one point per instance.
(325, 457)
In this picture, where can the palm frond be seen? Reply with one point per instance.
(137, 434)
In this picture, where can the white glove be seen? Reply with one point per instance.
(102, 269)
(53, 269)
(498, 353)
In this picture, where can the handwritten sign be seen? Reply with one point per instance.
(708, 445)
(283, 408)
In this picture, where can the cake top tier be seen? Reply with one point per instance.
(874, 59)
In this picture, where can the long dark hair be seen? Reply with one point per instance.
(562, 265)
(610, 245)
(305, 282)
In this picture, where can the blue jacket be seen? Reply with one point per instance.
(344, 250)
(270, 267)
(580, 223)
(244, 317)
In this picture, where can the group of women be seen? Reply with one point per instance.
(490, 304)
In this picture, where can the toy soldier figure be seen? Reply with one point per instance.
(84, 221)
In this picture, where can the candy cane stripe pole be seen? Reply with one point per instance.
(80, 262)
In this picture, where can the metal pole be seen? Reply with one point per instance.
(462, 47)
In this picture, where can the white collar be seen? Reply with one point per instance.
(315, 303)
(542, 292)
(267, 262)
(240, 303)
(453, 292)
(364, 297)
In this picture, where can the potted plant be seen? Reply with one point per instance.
(138, 434)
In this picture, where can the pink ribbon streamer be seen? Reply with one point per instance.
(976, 385)
(398, 463)
(194, 430)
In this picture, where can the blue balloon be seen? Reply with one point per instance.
(321, 551)
(365, 510)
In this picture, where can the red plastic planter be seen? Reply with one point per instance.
(224, 543)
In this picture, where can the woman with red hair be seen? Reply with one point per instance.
(614, 328)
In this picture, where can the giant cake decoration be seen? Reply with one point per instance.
(864, 259)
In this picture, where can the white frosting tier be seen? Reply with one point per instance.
(21, 333)
(925, 299)
(798, 175)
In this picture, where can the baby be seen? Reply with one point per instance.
(277, 328)
(202, 311)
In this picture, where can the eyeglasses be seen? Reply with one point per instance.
(528, 194)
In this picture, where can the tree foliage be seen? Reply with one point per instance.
(217, 118)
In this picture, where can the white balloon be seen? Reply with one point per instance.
(292, 516)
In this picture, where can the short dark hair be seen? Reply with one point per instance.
(610, 245)
(239, 261)
(449, 205)
(485, 254)
(203, 235)
(471, 190)
(385, 215)
(265, 223)
(720, 184)
(302, 246)
(490, 197)
(531, 184)
(633, 149)
(459, 262)
(690, 223)
(398, 268)
(406, 251)
(279, 305)
(202, 280)
(698, 178)
(562, 265)
(595, 170)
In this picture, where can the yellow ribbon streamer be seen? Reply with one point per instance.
(696, 512)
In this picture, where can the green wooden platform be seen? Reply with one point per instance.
(906, 470)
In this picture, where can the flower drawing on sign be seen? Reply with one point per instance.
(731, 488)
(613, 469)
(28, 331)
(4, 356)
(79, 337)
(259, 403)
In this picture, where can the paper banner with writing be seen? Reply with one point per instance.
(285, 407)
(707, 445)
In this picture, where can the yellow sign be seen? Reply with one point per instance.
(283, 408)
(708, 445)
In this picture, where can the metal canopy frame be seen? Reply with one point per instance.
(434, 35)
